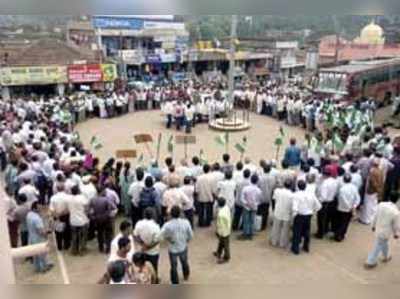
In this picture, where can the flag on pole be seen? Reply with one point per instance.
(221, 140)
(141, 159)
(171, 144)
(201, 158)
(241, 147)
(95, 143)
(279, 139)
(337, 142)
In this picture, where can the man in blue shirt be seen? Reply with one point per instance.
(293, 154)
(178, 233)
(37, 234)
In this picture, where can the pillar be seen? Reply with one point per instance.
(7, 275)
(60, 89)
(5, 93)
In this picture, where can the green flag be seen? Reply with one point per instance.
(241, 147)
(221, 140)
(95, 143)
(171, 144)
(337, 142)
(201, 158)
(279, 139)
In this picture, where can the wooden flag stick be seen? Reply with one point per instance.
(149, 151)
(159, 147)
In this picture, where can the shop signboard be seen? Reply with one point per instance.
(118, 23)
(153, 58)
(85, 73)
(38, 75)
(168, 58)
(132, 56)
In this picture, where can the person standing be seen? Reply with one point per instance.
(373, 193)
(59, 210)
(327, 192)
(37, 234)
(293, 154)
(250, 199)
(227, 190)
(78, 206)
(125, 231)
(102, 211)
(348, 201)
(224, 227)
(178, 233)
(205, 197)
(147, 235)
(305, 205)
(267, 186)
(283, 198)
(385, 225)
(242, 180)
(134, 192)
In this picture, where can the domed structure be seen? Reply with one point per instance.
(371, 34)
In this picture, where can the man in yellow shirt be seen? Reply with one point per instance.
(224, 226)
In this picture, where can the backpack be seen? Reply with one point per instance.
(147, 198)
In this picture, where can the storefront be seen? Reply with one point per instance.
(18, 81)
(92, 77)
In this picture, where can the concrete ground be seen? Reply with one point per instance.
(252, 262)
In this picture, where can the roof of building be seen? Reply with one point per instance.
(361, 66)
(52, 52)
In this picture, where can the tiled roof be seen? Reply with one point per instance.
(52, 52)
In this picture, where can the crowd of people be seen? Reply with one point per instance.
(55, 184)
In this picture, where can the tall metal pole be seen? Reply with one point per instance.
(232, 57)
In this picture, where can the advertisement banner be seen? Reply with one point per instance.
(109, 72)
(16, 76)
(117, 23)
(168, 58)
(85, 73)
(154, 58)
(132, 56)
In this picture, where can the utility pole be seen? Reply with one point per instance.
(232, 53)
(337, 45)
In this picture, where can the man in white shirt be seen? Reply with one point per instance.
(348, 201)
(79, 221)
(59, 211)
(267, 185)
(134, 192)
(147, 235)
(282, 215)
(327, 192)
(227, 190)
(385, 225)
(125, 229)
(305, 205)
(205, 197)
(29, 190)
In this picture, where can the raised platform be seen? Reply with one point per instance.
(229, 124)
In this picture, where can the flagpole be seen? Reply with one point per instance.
(159, 147)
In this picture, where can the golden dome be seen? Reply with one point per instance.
(372, 34)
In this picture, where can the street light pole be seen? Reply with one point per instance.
(232, 58)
